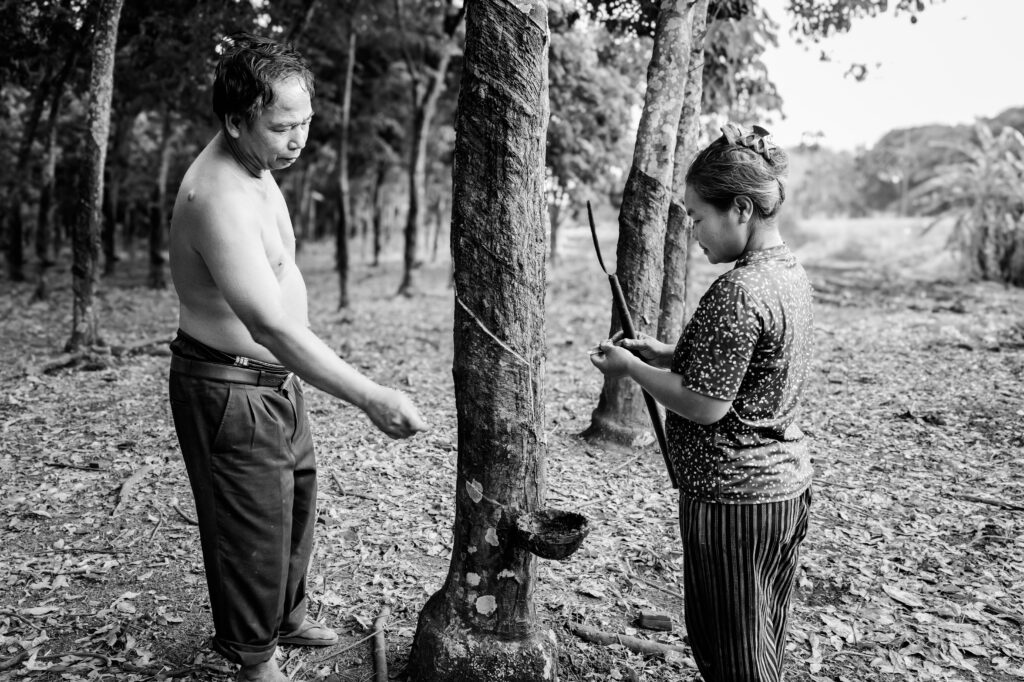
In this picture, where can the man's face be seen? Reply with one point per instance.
(275, 139)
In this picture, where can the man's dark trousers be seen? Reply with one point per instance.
(249, 455)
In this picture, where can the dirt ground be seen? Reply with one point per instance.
(912, 569)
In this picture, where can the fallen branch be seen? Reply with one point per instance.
(380, 651)
(995, 502)
(138, 346)
(182, 514)
(59, 362)
(641, 646)
(129, 483)
(65, 465)
(351, 646)
(657, 586)
(76, 654)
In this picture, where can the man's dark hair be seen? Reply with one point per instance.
(247, 71)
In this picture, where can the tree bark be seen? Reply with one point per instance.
(621, 416)
(678, 234)
(344, 188)
(86, 247)
(424, 108)
(482, 624)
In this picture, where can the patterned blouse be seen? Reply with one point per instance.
(749, 341)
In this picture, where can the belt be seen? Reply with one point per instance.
(231, 373)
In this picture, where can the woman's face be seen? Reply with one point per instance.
(723, 235)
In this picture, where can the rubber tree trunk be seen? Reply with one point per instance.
(44, 223)
(680, 228)
(378, 213)
(85, 240)
(481, 626)
(621, 416)
(424, 108)
(113, 207)
(21, 177)
(160, 224)
(341, 259)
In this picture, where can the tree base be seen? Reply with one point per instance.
(613, 435)
(453, 652)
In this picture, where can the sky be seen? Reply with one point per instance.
(960, 61)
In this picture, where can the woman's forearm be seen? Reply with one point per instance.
(667, 388)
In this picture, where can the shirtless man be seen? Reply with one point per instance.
(243, 332)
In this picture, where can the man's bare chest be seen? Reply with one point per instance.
(278, 245)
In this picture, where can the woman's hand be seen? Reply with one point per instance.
(647, 348)
(613, 361)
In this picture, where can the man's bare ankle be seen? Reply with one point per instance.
(267, 671)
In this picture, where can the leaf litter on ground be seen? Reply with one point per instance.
(911, 570)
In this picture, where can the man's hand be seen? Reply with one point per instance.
(647, 348)
(612, 360)
(393, 413)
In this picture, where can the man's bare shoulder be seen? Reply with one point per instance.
(212, 200)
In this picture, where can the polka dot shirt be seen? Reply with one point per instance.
(749, 341)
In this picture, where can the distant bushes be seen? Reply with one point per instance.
(982, 189)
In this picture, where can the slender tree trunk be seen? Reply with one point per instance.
(424, 108)
(345, 214)
(555, 215)
(679, 230)
(108, 226)
(21, 178)
(417, 175)
(439, 210)
(85, 323)
(482, 624)
(44, 222)
(378, 214)
(113, 209)
(301, 225)
(621, 415)
(160, 224)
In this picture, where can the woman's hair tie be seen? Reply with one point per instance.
(756, 139)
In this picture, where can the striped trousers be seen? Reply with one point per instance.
(739, 563)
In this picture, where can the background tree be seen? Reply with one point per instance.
(482, 624)
(621, 414)
(85, 329)
(426, 82)
(679, 226)
(903, 159)
(983, 192)
(39, 77)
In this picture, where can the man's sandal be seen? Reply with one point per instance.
(310, 633)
